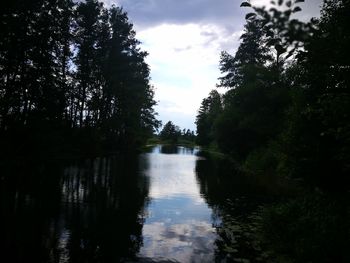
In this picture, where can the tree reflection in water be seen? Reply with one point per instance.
(89, 211)
(174, 149)
(234, 200)
(97, 210)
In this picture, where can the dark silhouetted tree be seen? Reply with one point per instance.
(208, 112)
(72, 72)
(170, 132)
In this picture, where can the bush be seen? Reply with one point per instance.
(315, 228)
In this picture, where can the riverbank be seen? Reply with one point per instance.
(298, 224)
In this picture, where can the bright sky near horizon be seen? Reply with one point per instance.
(184, 39)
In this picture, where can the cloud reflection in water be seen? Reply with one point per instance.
(178, 225)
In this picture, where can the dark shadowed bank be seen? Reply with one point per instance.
(286, 113)
(83, 210)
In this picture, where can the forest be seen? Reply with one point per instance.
(72, 79)
(286, 111)
(269, 181)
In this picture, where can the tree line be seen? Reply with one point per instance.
(172, 133)
(72, 73)
(286, 112)
(286, 108)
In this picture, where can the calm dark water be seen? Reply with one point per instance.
(167, 205)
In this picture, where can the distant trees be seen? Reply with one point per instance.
(74, 70)
(188, 135)
(172, 133)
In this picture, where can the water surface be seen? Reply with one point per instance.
(167, 205)
(178, 223)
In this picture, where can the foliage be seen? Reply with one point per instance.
(286, 113)
(208, 112)
(310, 228)
(257, 98)
(288, 87)
(172, 133)
(72, 69)
(316, 142)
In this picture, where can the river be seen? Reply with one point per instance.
(169, 204)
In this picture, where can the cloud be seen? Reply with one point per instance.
(148, 13)
(178, 223)
(184, 39)
(191, 241)
(182, 49)
(180, 181)
(184, 64)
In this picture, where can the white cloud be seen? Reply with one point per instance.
(178, 224)
(184, 64)
(184, 39)
(191, 241)
(177, 182)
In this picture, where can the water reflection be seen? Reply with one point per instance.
(174, 149)
(234, 199)
(168, 205)
(178, 226)
(83, 212)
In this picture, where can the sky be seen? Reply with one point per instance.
(184, 39)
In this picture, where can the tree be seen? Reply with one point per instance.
(72, 72)
(250, 58)
(255, 102)
(283, 35)
(316, 143)
(208, 112)
(170, 132)
(88, 20)
(131, 116)
(34, 58)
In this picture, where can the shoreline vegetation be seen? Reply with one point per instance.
(285, 113)
(74, 80)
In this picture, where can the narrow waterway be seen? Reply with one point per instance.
(178, 222)
(166, 205)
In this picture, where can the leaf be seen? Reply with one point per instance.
(273, 10)
(280, 2)
(273, 2)
(296, 9)
(245, 4)
(243, 36)
(270, 33)
(288, 12)
(290, 53)
(280, 49)
(250, 15)
(313, 20)
(272, 42)
(264, 23)
(289, 3)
